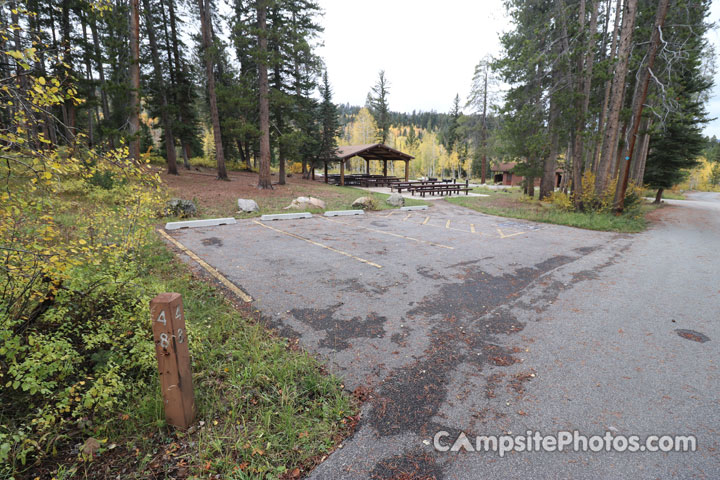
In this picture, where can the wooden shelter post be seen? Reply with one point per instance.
(342, 172)
(384, 168)
(407, 171)
(326, 173)
(367, 166)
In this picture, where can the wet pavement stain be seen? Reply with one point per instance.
(430, 273)
(339, 332)
(411, 396)
(212, 242)
(692, 335)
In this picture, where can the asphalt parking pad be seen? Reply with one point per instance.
(417, 308)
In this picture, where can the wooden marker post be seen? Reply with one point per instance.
(173, 356)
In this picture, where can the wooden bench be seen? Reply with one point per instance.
(441, 188)
(400, 186)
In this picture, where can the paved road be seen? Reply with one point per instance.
(458, 321)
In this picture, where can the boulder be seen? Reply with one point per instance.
(396, 200)
(246, 205)
(305, 203)
(366, 203)
(181, 208)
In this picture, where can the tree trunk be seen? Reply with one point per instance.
(68, 104)
(47, 122)
(101, 73)
(483, 162)
(90, 79)
(162, 92)
(134, 120)
(547, 182)
(19, 70)
(608, 83)
(638, 106)
(658, 196)
(610, 137)
(186, 154)
(168, 43)
(205, 21)
(179, 75)
(584, 84)
(282, 153)
(639, 176)
(264, 180)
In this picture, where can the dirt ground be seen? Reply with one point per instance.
(215, 197)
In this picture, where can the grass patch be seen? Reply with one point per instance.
(492, 191)
(513, 204)
(265, 408)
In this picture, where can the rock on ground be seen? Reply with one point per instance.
(396, 200)
(306, 202)
(246, 205)
(366, 203)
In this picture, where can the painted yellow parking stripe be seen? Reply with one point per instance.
(426, 220)
(219, 276)
(447, 225)
(408, 216)
(502, 235)
(391, 234)
(472, 228)
(317, 244)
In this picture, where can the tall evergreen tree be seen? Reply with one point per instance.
(676, 148)
(377, 101)
(330, 126)
(208, 51)
(264, 181)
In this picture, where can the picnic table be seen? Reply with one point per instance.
(378, 181)
(440, 187)
(400, 186)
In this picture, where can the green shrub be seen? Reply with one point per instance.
(73, 306)
(102, 179)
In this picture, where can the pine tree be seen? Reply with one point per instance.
(377, 101)
(208, 51)
(264, 180)
(328, 116)
(676, 148)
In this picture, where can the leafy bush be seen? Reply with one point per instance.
(72, 328)
(599, 202)
(562, 201)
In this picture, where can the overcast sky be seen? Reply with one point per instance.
(427, 48)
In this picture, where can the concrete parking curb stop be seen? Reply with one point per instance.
(286, 216)
(340, 213)
(209, 222)
(416, 207)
